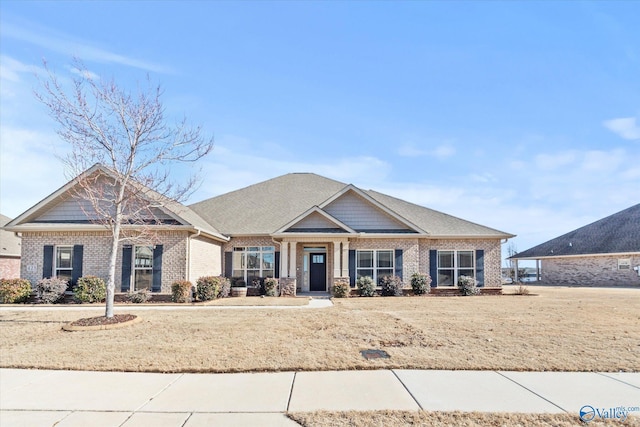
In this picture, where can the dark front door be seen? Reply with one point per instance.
(318, 272)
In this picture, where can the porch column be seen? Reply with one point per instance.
(284, 259)
(345, 259)
(336, 260)
(292, 265)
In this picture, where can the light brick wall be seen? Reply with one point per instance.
(206, 258)
(9, 267)
(96, 248)
(590, 271)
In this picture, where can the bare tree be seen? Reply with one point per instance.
(128, 133)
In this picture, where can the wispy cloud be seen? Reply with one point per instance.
(59, 42)
(625, 127)
(441, 151)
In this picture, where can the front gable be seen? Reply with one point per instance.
(363, 214)
(315, 220)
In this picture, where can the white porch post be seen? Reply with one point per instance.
(345, 259)
(336, 260)
(292, 263)
(284, 259)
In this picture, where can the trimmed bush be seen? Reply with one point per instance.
(90, 289)
(391, 286)
(14, 290)
(420, 283)
(139, 297)
(341, 290)
(270, 287)
(181, 291)
(366, 286)
(51, 290)
(468, 286)
(212, 287)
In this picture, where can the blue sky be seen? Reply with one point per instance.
(523, 116)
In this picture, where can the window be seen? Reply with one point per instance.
(143, 268)
(453, 264)
(253, 262)
(375, 264)
(64, 263)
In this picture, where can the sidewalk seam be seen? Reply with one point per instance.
(407, 388)
(157, 394)
(293, 382)
(531, 391)
(604, 374)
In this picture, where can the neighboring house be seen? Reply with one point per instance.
(606, 252)
(309, 231)
(9, 252)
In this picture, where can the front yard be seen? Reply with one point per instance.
(567, 329)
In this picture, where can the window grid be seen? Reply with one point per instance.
(375, 263)
(253, 262)
(142, 268)
(453, 264)
(63, 263)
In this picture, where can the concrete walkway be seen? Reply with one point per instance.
(76, 398)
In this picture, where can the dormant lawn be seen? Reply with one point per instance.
(569, 329)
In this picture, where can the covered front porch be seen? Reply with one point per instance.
(313, 264)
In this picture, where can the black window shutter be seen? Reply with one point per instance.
(47, 262)
(156, 285)
(228, 264)
(433, 267)
(77, 264)
(127, 260)
(277, 266)
(352, 268)
(398, 266)
(480, 267)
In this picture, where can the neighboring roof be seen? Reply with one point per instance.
(615, 234)
(182, 214)
(9, 243)
(268, 207)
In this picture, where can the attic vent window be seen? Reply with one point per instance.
(624, 264)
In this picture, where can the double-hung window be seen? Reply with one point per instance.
(453, 264)
(143, 267)
(253, 262)
(374, 263)
(63, 268)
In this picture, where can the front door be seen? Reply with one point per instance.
(318, 272)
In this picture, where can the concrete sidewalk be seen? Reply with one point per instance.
(77, 398)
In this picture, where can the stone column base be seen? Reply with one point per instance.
(287, 286)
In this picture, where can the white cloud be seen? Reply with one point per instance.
(59, 42)
(440, 152)
(625, 127)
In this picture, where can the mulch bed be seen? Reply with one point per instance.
(102, 320)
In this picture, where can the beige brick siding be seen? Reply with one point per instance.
(9, 267)
(206, 258)
(96, 247)
(590, 271)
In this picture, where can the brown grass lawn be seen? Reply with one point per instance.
(561, 329)
(442, 419)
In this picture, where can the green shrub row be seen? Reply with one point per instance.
(90, 289)
(14, 290)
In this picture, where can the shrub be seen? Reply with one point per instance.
(14, 290)
(212, 287)
(90, 289)
(366, 286)
(270, 287)
(51, 290)
(468, 286)
(138, 297)
(341, 290)
(521, 290)
(420, 283)
(391, 286)
(181, 291)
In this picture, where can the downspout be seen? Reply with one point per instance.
(280, 245)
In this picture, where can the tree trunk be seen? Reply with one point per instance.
(111, 282)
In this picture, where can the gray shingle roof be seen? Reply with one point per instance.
(617, 233)
(265, 207)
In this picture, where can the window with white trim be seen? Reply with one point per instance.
(63, 267)
(143, 268)
(375, 263)
(253, 262)
(453, 264)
